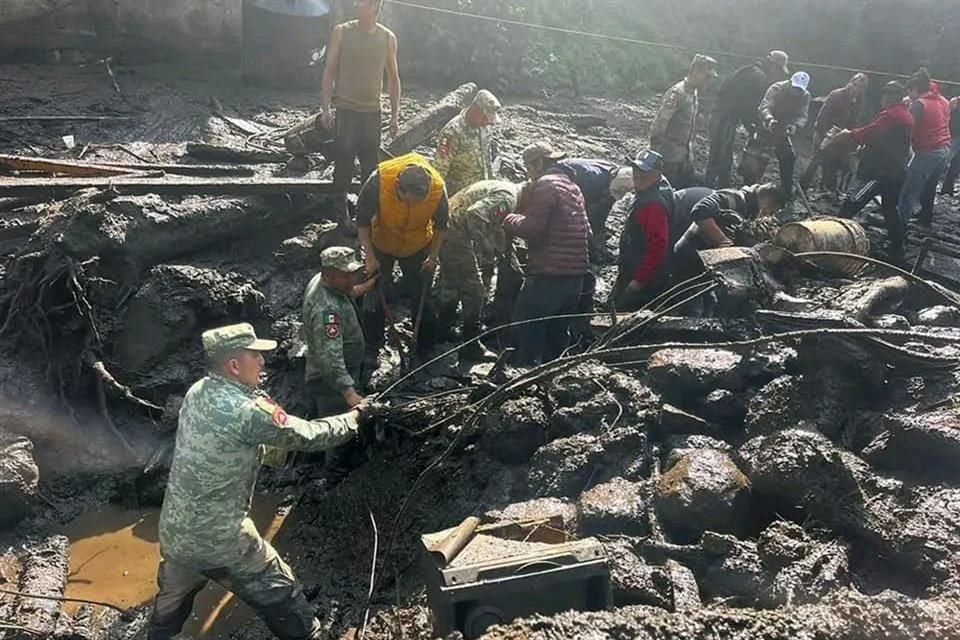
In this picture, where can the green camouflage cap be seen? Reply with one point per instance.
(489, 104)
(340, 259)
(235, 336)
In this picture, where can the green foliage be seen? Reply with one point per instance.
(447, 49)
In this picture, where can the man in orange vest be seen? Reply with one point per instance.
(402, 217)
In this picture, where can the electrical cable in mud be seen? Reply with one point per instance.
(646, 43)
(373, 573)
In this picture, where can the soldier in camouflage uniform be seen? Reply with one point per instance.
(463, 152)
(672, 130)
(474, 230)
(205, 529)
(332, 331)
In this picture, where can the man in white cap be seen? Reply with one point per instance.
(463, 152)
(783, 111)
(206, 532)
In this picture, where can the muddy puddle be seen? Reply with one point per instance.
(114, 554)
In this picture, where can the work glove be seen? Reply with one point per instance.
(371, 421)
(790, 129)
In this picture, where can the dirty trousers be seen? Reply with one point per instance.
(889, 192)
(415, 283)
(723, 136)
(260, 578)
(543, 296)
(357, 136)
(460, 281)
(920, 185)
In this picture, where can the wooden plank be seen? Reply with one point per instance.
(422, 127)
(198, 170)
(43, 187)
(221, 153)
(62, 118)
(63, 167)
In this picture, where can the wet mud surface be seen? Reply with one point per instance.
(758, 491)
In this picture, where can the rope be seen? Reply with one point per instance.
(646, 43)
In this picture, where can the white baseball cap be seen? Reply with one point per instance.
(801, 80)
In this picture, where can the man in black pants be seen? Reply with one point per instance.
(883, 162)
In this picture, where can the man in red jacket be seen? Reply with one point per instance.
(931, 147)
(645, 245)
(552, 217)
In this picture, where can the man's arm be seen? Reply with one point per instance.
(671, 100)
(393, 82)
(441, 218)
(533, 222)
(916, 110)
(368, 206)
(264, 422)
(870, 132)
(828, 114)
(653, 218)
(801, 120)
(331, 68)
(767, 104)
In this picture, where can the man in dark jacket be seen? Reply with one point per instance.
(645, 240)
(552, 218)
(737, 101)
(841, 110)
(883, 162)
(783, 111)
(594, 178)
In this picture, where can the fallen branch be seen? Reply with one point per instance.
(107, 379)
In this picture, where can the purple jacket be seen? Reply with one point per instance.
(552, 218)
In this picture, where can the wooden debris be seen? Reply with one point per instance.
(62, 118)
(197, 170)
(62, 167)
(43, 187)
(421, 128)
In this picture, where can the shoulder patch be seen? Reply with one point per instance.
(268, 407)
(331, 325)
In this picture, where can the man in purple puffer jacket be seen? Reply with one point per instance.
(552, 217)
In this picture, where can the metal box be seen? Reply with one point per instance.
(511, 570)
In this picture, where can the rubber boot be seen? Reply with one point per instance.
(446, 321)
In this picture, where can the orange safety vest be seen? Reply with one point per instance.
(403, 228)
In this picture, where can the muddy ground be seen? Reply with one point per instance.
(776, 489)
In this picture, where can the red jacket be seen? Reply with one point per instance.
(552, 218)
(931, 131)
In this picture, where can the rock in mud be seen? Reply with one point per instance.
(939, 316)
(615, 507)
(845, 616)
(724, 407)
(515, 432)
(303, 251)
(44, 569)
(927, 445)
(806, 569)
(931, 540)
(704, 490)
(783, 542)
(821, 402)
(670, 586)
(158, 342)
(676, 447)
(19, 477)
(731, 569)
(890, 321)
(592, 396)
(538, 509)
(680, 373)
(625, 454)
(566, 466)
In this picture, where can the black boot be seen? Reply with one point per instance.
(446, 323)
(474, 351)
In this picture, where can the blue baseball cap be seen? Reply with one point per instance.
(648, 160)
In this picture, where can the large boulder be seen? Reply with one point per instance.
(513, 433)
(930, 540)
(671, 586)
(926, 445)
(821, 402)
(19, 476)
(592, 396)
(731, 568)
(704, 490)
(615, 507)
(565, 467)
(805, 569)
(679, 374)
(939, 316)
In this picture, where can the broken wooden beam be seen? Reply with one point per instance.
(421, 128)
(196, 170)
(54, 187)
(62, 118)
(58, 166)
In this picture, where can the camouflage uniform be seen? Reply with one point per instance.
(333, 334)
(205, 530)
(472, 231)
(672, 132)
(463, 151)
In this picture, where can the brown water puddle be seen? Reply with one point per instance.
(114, 555)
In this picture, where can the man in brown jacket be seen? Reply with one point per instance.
(552, 218)
(841, 110)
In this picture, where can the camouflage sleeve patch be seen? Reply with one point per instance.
(331, 325)
(272, 410)
(445, 146)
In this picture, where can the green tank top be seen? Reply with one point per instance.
(363, 59)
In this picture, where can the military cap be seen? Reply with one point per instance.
(647, 160)
(340, 259)
(235, 336)
(701, 61)
(489, 104)
(541, 150)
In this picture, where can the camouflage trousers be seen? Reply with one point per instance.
(260, 578)
(460, 281)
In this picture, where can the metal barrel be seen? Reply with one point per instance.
(827, 234)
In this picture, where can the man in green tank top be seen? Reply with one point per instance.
(361, 51)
